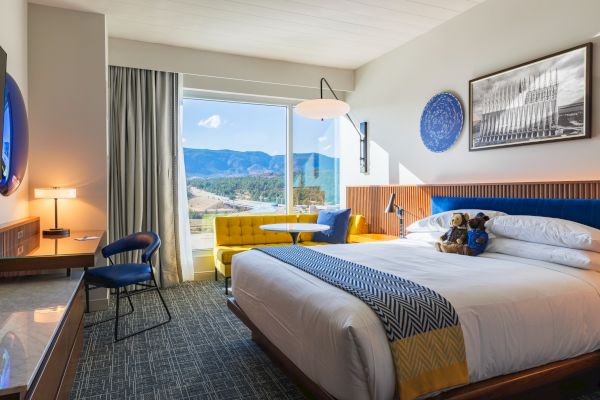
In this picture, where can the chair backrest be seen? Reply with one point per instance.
(149, 242)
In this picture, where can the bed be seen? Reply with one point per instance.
(335, 346)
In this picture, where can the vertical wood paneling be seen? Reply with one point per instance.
(371, 201)
(18, 238)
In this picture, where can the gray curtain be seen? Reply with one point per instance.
(143, 162)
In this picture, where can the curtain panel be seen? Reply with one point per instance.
(144, 155)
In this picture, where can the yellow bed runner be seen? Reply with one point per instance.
(422, 327)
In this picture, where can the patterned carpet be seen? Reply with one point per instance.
(205, 352)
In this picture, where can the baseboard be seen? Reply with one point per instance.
(204, 275)
(99, 298)
(204, 265)
(98, 304)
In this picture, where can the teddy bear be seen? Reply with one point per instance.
(477, 237)
(453, 240)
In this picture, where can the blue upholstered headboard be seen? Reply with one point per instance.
(583, 211)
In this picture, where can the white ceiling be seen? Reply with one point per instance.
(335, 33)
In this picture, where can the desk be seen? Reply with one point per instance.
(55, 253)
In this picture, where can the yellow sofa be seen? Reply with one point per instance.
(235, 234)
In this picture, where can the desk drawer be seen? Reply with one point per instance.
(21, 239)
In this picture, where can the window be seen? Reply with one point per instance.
(236, 156)
(316, 164)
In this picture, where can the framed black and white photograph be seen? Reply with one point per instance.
(544, 100)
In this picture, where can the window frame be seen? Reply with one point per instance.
(289, 103)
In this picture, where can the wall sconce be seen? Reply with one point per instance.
(333, 108)
(55, 193)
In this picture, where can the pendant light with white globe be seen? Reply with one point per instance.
(333, 108)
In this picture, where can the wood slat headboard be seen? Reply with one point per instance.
(371, 201)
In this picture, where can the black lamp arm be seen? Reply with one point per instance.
(400, 210)
(360, 133)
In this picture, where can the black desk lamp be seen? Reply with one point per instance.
(392, 207)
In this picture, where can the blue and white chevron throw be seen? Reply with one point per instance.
(421, 325)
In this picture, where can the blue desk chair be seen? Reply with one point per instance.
(119, 276)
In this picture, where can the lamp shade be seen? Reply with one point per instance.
(390, 206)
(55, 193)
(322, 108)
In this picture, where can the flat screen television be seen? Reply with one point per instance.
(4, 163)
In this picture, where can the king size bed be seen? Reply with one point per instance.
(525, 320)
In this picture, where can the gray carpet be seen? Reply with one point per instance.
(205, 352)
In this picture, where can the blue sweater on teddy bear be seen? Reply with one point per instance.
(477, 246)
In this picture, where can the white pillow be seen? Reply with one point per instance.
(545, 230)
(426, 237)
(441, 221)
(559, 255)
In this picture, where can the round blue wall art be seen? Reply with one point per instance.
(441, 122)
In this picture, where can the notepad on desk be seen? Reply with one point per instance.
(83, 238)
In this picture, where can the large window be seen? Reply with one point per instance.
(249, 158)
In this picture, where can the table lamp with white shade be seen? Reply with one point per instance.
(55, 193)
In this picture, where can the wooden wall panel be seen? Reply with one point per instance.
(371, 201)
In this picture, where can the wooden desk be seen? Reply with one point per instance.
(56, 253)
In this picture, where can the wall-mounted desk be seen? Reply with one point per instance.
(24, 248)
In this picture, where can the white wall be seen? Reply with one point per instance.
(68, 114)
(13, 39)
(221, 72)
(391, 91)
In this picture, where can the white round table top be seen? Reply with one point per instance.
(295, 227)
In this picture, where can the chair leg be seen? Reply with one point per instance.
(216, 274)
(117, 316)
(227, 285)
(112, 318)
(128, 299)
(117, 339)
(163, 301)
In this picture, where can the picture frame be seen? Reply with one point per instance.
(548, 99)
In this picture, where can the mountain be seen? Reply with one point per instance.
(206, 163)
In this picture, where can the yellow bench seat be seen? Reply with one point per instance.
(224, 254)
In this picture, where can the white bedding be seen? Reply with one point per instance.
(515, 313)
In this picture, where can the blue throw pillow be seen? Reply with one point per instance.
(338, 221)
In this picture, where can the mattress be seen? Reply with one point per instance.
(515, 313)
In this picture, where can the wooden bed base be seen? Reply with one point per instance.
(534, 383)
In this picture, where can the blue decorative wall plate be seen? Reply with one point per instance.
(441, 122)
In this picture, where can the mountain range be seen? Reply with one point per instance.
(205, 163)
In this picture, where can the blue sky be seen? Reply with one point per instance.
(217, 125)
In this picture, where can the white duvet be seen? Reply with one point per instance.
(515, 313)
